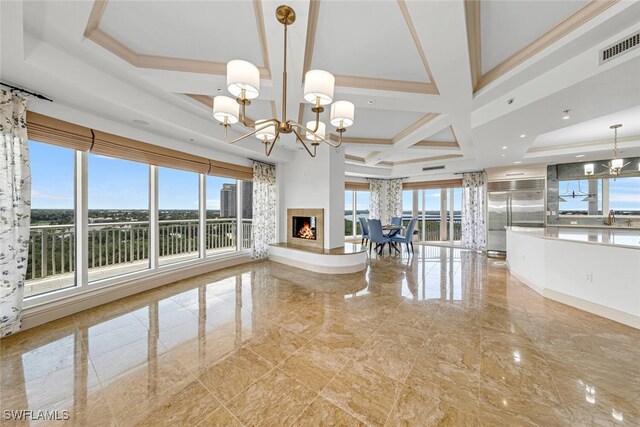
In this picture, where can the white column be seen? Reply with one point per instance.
(154, 227)
(82, 219)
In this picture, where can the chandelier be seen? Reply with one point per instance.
(616, 164)
(243, 82)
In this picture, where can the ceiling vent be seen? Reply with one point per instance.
(432, 168)
(619, 48)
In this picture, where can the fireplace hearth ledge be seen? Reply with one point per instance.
(349, 258)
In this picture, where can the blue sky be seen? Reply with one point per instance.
(113, 183)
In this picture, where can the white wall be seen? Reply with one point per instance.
(312, 183)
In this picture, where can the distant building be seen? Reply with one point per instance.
(247, 199)
(228, 201)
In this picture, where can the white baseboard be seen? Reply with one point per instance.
(38, 315)
(591, 307)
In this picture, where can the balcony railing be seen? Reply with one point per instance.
(432, 229)
(52, 247)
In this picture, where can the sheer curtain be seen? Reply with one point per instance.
(264, 209)
(385, 199)
(473, 211)
(15, 209)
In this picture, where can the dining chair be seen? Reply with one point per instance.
(377, 236)
(365, 229)
(395, 220)
(408, 237)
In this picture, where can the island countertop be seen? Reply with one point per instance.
(596, 236)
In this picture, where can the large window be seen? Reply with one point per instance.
(51, 264)
(221, 214)
(118, 202)
(356, 205)
(596, 197)
(178, 205)
(581, 197)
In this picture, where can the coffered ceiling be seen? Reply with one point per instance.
(434, 82)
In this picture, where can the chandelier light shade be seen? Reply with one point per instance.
(243, 76)
(225, 109)
(342, 114)
(266, 132)
(617, 163)
(319, 134)
(319, 85)
(243, 82)
(589, 169)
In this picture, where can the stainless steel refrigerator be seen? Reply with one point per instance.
(513, 203)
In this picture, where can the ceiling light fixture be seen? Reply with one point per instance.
(589, 169)
(616, 164)
(578, 156)
(518, 162)
(504, 147)
(523, 135)
(243, 82)
(566, 115)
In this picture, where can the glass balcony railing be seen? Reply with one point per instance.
(120, 247)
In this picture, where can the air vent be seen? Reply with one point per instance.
(619, 48)
(432, 168)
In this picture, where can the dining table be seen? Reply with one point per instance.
(392, 230)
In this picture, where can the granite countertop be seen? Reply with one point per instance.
(628, 238)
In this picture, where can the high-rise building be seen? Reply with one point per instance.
(247, 199)
(228, 201)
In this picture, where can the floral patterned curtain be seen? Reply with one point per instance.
(473, 211)
(15, 209)
(264, 209)
(394, 199)
(385, 200)
(375, 198)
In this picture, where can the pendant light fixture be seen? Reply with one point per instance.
(243, 82)
(616, 164)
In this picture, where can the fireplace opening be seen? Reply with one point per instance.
(304, 227)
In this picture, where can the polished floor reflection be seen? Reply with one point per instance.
(442, 337)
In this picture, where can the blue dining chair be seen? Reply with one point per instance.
(408, 237)
(365, 229)
(377, 236)
(395, 220)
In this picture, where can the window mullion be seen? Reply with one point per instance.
(202, 216)
(82, 219)
(154, 227)
(239, 215)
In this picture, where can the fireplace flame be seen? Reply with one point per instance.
(306, 232)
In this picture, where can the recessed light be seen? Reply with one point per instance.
(523, 135)
(140, 122)
(371, 101)
(504, 147)
(518, 162)
(502, 155)
(566, 115)
(580, 155)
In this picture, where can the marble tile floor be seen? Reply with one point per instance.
(442, 337)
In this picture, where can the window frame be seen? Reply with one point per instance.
(605, 202)
(82, 285)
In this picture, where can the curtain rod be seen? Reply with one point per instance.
(28, 92)
(462, 173)
(260, 161)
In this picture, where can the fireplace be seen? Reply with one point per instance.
(306, 227)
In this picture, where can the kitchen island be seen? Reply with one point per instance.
(596, 270)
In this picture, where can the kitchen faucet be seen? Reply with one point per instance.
(611, 219)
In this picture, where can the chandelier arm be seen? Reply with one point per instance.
(263, 126)
(292, 123)
(299, 138)
(273, 144)
(243, 116)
